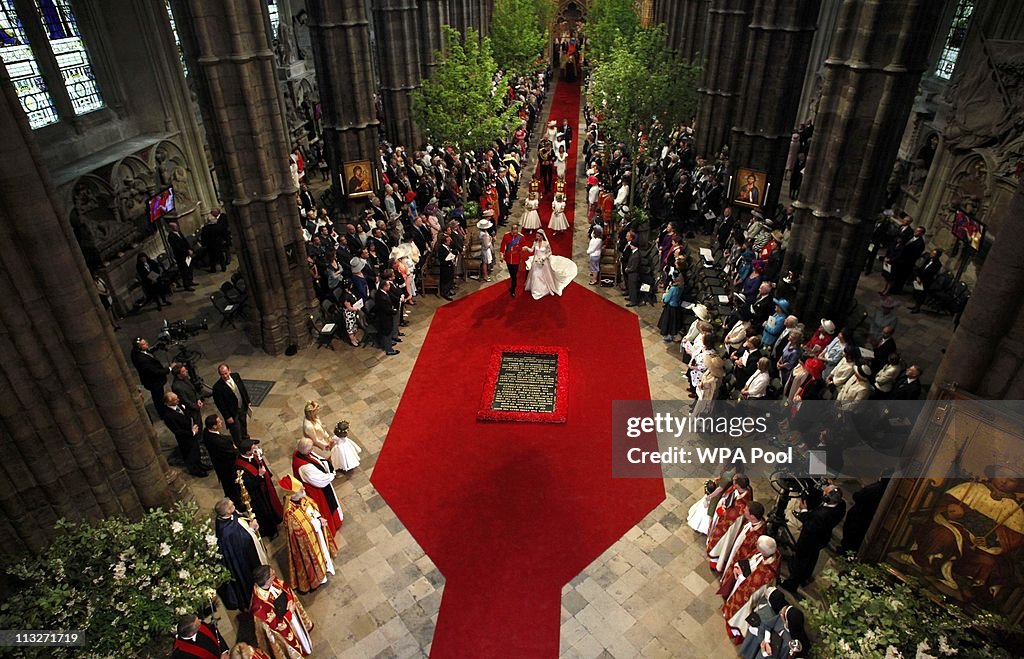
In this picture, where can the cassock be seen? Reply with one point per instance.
(206, 644)
(263, 499)
(282, 625)
(761, 572)
(309, 547)
(317, 474)
(743, 548)
(726, 524)
(243, 552)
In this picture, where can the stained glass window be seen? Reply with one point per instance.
(275, 18)
(955, 39)
(20, 62)
(72, 59)
(177, 41)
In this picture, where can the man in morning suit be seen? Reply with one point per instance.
(185, 432)
(223, 454)
(182, 253)
(232, 399)
(152, 373)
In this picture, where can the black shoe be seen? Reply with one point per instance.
(448, 297)
(396, 340)
(392, 352)
(513, 293)
(401, 334)
(199, 473)
(630, 304)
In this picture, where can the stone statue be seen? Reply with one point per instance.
(986, 98)
(172, 173)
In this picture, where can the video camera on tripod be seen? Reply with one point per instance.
(178, 331)
(789, 486)
(173, 334)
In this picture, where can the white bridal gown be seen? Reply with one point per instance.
(549, 274)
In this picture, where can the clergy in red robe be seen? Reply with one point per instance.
(728, 519)
(745, 545)
(310, 545)
(752, 578)
(282, 625)
(258, 481)
(317, 474)
(197, 640)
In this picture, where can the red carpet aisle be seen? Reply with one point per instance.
(565, 105)
(510, 512)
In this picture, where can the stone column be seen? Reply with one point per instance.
(871, 75)
(228, 47)
(433, 15)
(75, 438)
(986, 355)
(400, 68)
(766, 108)
(464, 14)
(686, 21)
(724, 60)
(486, 11)
(820, 46)
(340, 33)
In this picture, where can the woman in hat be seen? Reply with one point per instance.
(833, 352)
(701, 349)
(558, 221)
(351, 305)
(486, 249)
(753, 281)
(790, 356)
(362, 288)
(531, 217)
(552, 132)
(821, 337)
(709, 384)
(776, 323)
(314, 430)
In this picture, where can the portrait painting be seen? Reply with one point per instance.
(750, 187)
(961, 529)
(358, 178)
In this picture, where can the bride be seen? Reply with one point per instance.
(548, 274)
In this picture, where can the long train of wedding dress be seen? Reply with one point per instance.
(548, 274)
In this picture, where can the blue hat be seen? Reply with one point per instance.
(783, 304)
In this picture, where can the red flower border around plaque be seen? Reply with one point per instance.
(561, 410)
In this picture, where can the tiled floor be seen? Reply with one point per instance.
(650, 594)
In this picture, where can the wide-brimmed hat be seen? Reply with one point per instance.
(828, 326)
(863, 371)
(782, 303)
(777, 235)
(553, 123)
(701, 312)
(715, 365)
(815, 367)
(758, 214)
(483, 225)
(357, 264)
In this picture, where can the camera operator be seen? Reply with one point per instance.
(815, 534)
(152, 372)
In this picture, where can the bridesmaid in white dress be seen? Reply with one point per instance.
(558, 221)
(531, 219)
(348, 451)
(548, 274)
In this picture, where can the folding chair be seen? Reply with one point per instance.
(323, 331)
(227, 309)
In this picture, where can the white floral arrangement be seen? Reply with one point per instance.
(123, 582)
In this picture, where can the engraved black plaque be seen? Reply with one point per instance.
(526, 382)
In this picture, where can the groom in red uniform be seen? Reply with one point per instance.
(512, 254)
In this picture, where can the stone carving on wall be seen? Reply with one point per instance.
(987, 97)
(108, 212)
(173, 171)
(922, 163)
